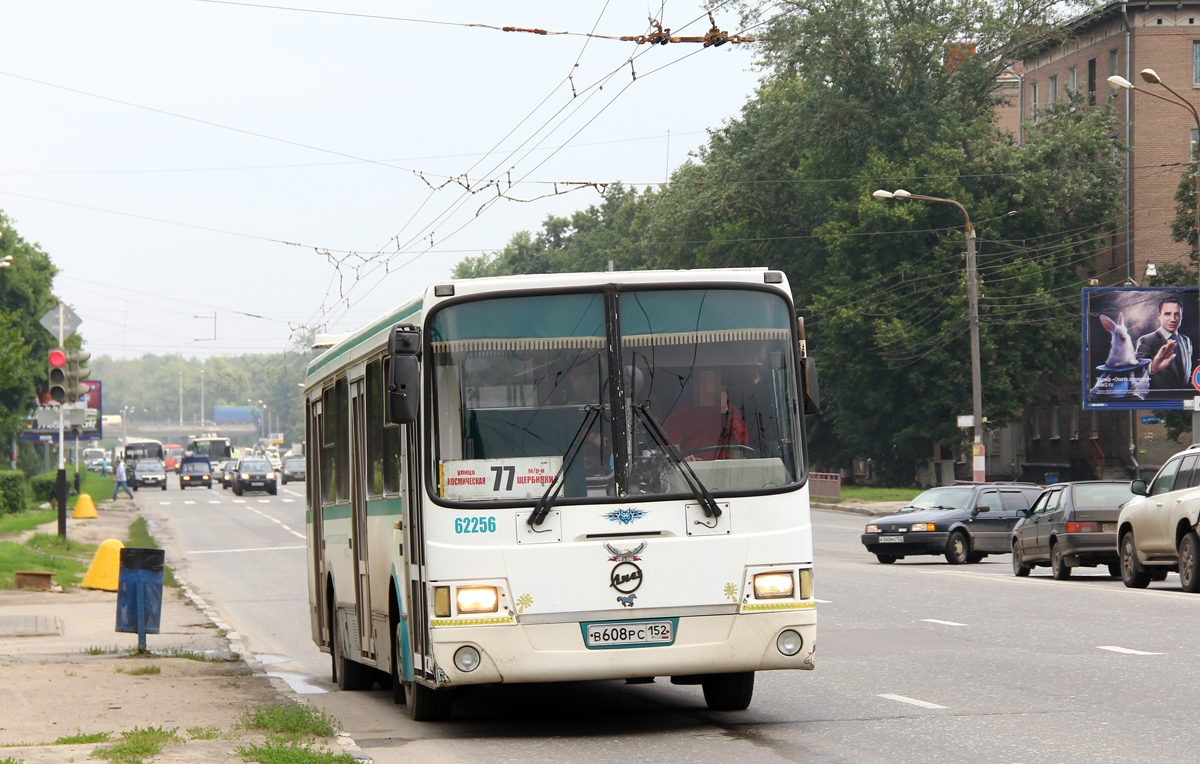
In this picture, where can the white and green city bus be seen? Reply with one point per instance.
(564, 477)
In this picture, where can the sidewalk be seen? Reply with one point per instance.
(858, 507)
(52, 686)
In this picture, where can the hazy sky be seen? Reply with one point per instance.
(161, 151)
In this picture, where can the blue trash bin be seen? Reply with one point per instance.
(139, 592)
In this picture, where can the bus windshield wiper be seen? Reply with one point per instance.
(551, 494)
(699, 490)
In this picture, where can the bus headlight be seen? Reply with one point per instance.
(772, 585)
(466, 658)
(477, 599)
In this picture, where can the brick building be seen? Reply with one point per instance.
(1059, 439)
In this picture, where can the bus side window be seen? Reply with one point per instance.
(328, 444)
(391, 435)
(341, 394)
(375, 408)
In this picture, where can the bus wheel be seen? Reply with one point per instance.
(728, 692)
(347, 674)
(428, 705)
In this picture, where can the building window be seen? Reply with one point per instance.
(1033, 100)
(1074, 417)
(1052, 90)
(1055, 411)
(1091, 80)
(1072, 81)
(1035, 424)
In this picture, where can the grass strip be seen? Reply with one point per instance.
(874, 493)
(67, 560)
(82, 737)
(279, 752)
(139, 536)
(140, 670)
(137, 745)
(293, 721)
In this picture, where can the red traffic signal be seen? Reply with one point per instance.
(58, 357)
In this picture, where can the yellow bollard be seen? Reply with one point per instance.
(105, 570)
(85, 508)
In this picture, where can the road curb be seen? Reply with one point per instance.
(852, 509)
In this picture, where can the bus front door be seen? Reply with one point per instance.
(358, 511)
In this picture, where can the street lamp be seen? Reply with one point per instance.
(978, 461)
(1150, 76)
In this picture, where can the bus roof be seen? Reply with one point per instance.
(414, 310)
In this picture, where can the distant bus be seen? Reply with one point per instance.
(212, 446)
(142, 448)
(171, 456)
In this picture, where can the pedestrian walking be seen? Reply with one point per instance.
(119, 472)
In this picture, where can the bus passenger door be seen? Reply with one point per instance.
(318, 572)
(414, 553)
(358, 512)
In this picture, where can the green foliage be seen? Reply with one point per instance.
(293, 720)
(25, 297)
(1183, 226)
(203, 733)
(861, 95)
(82, 737)
(139, 537)
(26, 521)
(12, 491)
(44, 486)
(279, 752)
(140, 670)
(137, 745)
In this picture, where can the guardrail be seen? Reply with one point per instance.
(825, 485)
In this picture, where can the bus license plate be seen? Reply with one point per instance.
(629, 633)
(891, 539)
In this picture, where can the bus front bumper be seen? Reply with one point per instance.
(555, 652)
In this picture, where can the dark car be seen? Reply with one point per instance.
(147, 473)
(194, 472)
(227, 472)
(964, 522)
(1071, 525)
(293, 469)
(254, 475)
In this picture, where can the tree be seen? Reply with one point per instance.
(25, 345)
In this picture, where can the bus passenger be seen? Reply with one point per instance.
(703, 418)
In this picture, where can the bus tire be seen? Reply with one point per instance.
(428, 705)
(399, 696)
(728, 692)
(348, 675)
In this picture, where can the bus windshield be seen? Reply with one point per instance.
(524, 390)
(213, 448)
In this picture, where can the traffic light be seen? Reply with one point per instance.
(76, 373)
(58, 375)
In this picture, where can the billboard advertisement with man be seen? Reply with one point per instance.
(1139, 347)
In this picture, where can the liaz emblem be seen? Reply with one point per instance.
(625, 555)
(625, 516)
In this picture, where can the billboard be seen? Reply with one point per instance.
(92, 407)
(1139, 347)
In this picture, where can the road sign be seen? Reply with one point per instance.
(70, 321)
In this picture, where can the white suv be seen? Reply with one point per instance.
(1156, 531)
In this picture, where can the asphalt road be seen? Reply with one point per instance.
(917, 662)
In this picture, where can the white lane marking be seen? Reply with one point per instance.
(824, 602)
(944, 623)
(213, 501)
(293, 493)
(280, 522)
(1071, 583)
(264, 501)
(911, 701)
(1124, 650)
(239, 501)
(165, 503)
(281, 525)
(189, 502)
(289, 501)
(253, 549)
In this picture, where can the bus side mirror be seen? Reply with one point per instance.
(812, 391)
(404, 375)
